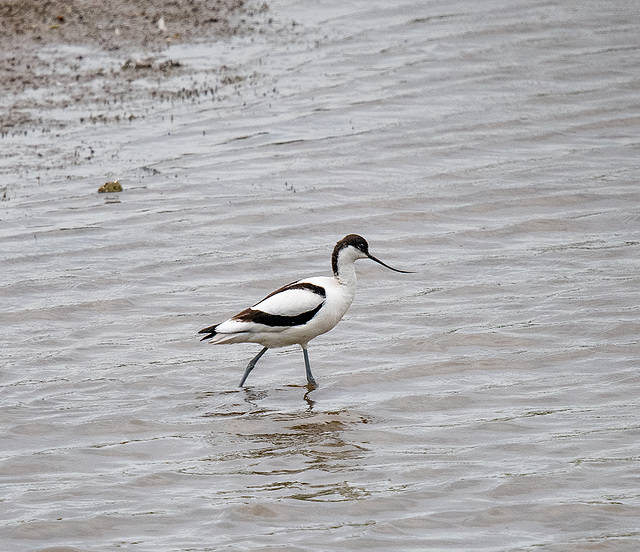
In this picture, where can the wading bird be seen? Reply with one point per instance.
(300, 311)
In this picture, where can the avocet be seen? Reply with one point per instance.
(299, 311)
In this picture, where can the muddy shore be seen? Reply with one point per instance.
(48, 60)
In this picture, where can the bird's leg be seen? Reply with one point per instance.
(252, 365)
(308, 368)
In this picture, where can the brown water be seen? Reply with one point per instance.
(488, 402)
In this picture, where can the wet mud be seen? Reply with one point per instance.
(46, 66)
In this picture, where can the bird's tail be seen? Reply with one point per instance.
(210, 331)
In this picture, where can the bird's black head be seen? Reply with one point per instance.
(355, 241)
(359, 243)
(352, 240)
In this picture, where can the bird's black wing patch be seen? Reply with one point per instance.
(318, 290)
(273, 320)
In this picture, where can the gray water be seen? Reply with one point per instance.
(487, 402)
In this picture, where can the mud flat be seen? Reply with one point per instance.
(62, 53)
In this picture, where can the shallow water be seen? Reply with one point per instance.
(488, 402)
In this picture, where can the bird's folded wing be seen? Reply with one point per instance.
(293, 305)
(292, 300)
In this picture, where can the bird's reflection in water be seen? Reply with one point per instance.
(287, 445)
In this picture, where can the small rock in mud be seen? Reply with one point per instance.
(110, 187)
(139, 63)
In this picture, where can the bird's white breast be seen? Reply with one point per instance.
(337, 301)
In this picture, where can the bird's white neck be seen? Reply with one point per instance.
(347, 275)
(345, 269)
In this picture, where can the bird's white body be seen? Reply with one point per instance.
(291, 302)
(299, 311)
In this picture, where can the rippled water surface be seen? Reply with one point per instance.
(488, 402)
